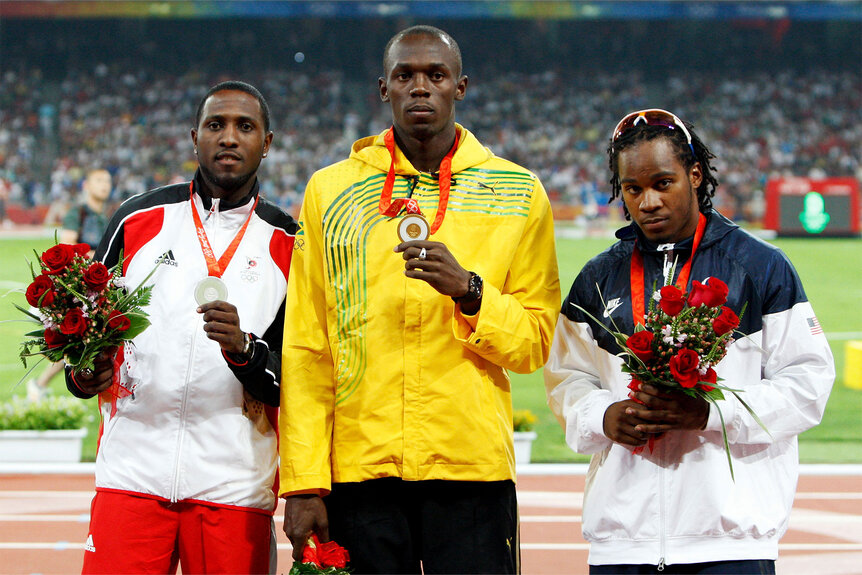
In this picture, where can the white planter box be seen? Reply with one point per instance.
(53, 445)
(523, 445)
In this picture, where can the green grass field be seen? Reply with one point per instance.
(830, 270)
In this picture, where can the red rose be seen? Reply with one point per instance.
(671, 301)
(640, 343)
(309, 555)
(117, 320)
(54, 338)
(74, 323)
(333, 555)
(710, 377)
(57, 258)
(41, 286)
(683, 367)
(81, 249)
(726, 321)
(713, 293)
(329, 554)
(97, 276)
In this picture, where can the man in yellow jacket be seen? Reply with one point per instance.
(425, 269)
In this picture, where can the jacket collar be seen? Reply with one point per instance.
(717, 227)
(206, 197)
(372, 150)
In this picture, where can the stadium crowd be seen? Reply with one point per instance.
(136, 124)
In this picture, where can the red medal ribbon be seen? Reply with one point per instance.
(391, 208)
(217, 267)
(637, 274)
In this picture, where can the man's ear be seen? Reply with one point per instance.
(695, 175)
(384, 90)
(461, 89)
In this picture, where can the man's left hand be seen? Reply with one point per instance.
(221, 324)
(670, 410)
(433, 263)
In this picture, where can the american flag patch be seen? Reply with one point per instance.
(814, 325)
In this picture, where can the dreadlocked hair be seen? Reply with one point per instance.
(646, 133)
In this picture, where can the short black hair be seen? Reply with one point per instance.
(240, 87)
(687, 155)
(422, 30)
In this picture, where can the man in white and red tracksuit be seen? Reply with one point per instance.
(187, 456)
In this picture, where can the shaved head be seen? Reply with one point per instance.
(421, 30)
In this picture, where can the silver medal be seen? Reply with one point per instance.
(210, 289)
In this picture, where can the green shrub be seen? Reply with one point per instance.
(53, 412)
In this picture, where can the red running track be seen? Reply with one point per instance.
(43, 522)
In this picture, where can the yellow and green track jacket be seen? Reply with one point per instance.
(382, 375)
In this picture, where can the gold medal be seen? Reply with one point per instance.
(210, 289)
(413, 227)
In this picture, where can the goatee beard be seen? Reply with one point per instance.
(228, 183)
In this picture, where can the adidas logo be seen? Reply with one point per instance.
(167, 258)
(88, 546)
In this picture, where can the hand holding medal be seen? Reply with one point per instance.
(212, 288)
(221, 324)
(221, 320)
(433, 263)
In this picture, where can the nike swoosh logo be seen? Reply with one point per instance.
(611, 307)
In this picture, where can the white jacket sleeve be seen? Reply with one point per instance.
(796, 375)
(574, 388)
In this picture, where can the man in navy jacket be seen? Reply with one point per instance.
(673, 501)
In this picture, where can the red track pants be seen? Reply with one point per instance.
(130, 534)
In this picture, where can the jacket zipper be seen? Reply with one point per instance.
(181, 434)
(176, 481)
(661, 513)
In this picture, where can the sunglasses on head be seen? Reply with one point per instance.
(651, 117)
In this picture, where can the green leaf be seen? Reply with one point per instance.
(28, 312)
(312, 569)
(78, 295)
(138, 324)
(723, 433)
(751, 412)
(73, 357)
(144, 291)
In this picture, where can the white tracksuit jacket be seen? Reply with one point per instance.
(196, 427)
(678, 503)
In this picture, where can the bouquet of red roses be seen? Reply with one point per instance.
(328, 558)
(82, 307)
(685, 336)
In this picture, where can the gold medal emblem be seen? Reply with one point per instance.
(413, 227)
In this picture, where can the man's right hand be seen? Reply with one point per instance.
(304, 515)
(102, 376)
(620, 421)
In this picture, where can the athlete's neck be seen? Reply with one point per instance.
(426, 154)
